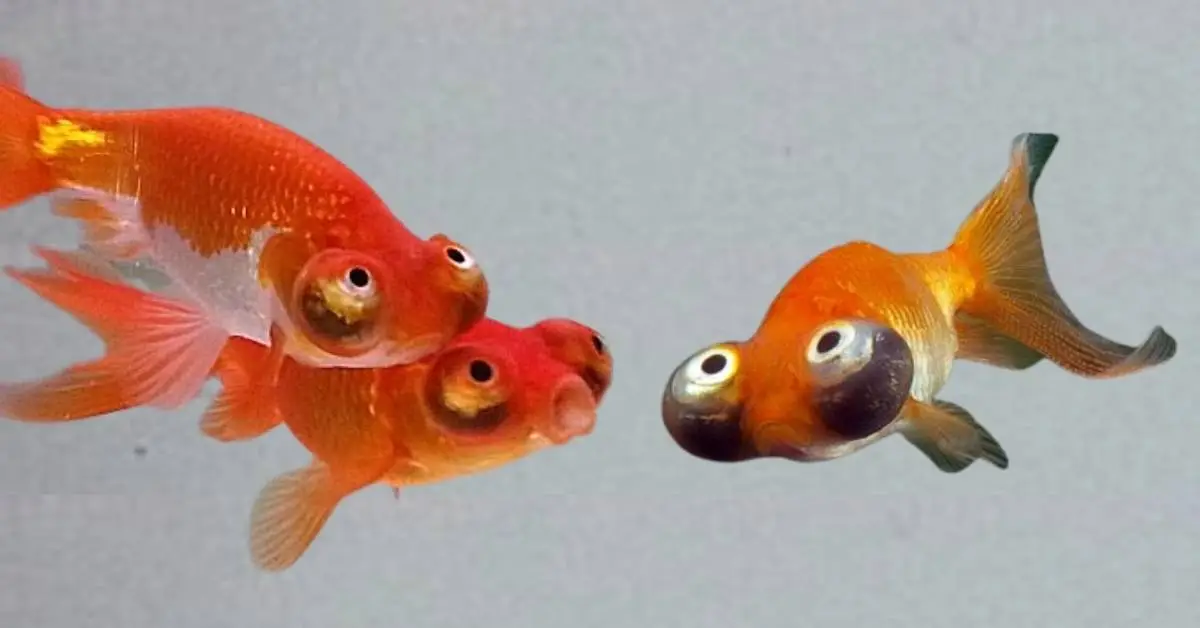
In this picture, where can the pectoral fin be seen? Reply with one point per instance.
(949, 436)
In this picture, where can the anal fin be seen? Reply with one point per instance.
(291, 510)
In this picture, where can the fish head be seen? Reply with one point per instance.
(507, 392)
(387, 307)
(789, 395)
(581, 348)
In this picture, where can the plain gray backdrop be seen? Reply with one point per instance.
(657, 170)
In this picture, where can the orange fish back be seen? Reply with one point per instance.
(863, 280)
(214, 175)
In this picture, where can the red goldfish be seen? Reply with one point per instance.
(495, 394)
(251, 225)
(860, 341)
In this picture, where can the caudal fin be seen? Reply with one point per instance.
(1002, 247)
(23, 175)
(159, 352)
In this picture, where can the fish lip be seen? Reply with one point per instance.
(597, 381)
(573, 411)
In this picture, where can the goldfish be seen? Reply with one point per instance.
(860, 341)
(495, 394)
(248, 225)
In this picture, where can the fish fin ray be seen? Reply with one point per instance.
(949, 436)
(1001, 244)
(291, 510)
(158, 352)
(245, 408)
(111, 226)
(980, 342)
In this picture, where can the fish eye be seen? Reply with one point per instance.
(358, 281)
(711, 369)
(597, 343)
(481, 372)
(459, 257)
(830, 342)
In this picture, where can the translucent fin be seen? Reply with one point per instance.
(245, 407)
(949, 436)
(159, 352)
(293, 508)
(110, 227)
(980, 342)
(1001, 245)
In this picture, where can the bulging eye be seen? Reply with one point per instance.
(336, 304)
(830, 342)
(358, 282)
(712, 367)
(598, 343)
(459, 256)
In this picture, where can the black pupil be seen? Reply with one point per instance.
(359, 277)
(480, 371)
(713, 364)
(456, 255)
(828, 341)
(597, 343)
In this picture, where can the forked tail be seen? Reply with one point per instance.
(23, 174)
(159, 352)
(1002, 247)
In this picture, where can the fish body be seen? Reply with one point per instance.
(860, 341)
(250, 224)
(495, 394)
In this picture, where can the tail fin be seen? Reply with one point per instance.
(1002, 247)
(23, 175)
(159, 351)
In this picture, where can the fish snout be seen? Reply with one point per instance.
(864, 391)
(573, 411)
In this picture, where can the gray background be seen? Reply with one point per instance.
(657, 170)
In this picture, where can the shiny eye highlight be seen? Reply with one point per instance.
(358, 282)
(711, 368)
(830, 342)
(598, 343)
(459, 257)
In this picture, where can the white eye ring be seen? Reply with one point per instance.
(459, 256)
(712, 367)
(830, 342)
(358, 282)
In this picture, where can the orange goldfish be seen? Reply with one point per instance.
(495, 394)
(861, 340)
(251, 225)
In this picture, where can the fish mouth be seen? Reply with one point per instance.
(597, 381)
(573, 411)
